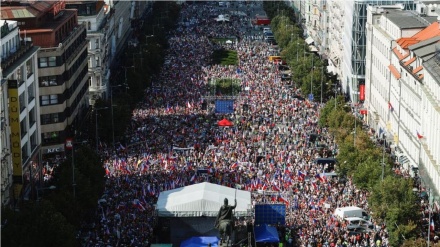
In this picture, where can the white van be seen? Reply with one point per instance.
(352, 211)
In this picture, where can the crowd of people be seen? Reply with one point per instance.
(268, 149)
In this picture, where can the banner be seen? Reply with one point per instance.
(362, 92)
(224, 106)
(14, 121)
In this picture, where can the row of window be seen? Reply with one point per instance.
(44, 62)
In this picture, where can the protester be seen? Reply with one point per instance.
(267, 151)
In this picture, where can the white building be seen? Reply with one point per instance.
(402, 97)
(345, 30)
(20, 117)
(95, 15)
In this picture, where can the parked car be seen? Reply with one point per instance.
(355, 222)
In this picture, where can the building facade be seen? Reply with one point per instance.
(343, 40)
(62, 67)
(95, 16)
(402, 90)
(20, 125)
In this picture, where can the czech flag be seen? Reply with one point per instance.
(301, 175)
(419, 135)
(432, 226)
(321, 177)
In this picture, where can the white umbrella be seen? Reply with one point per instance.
(228, 42)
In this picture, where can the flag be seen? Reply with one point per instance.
(315, 186)
(390, 106)
(301, 175)
(283, 200)
(233, 166)
(193, 178)
(168, 108)
(419, 135)
(320, 177)
(432, 226)
(137, 204)
(188, 104)
(121, 147)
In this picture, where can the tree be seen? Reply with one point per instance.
(38, 224)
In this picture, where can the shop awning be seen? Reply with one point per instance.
(331, 69)
(309, 40)
(313, 48)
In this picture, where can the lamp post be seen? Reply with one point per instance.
(69, 146)
(383, 158)
(313, 67)
(111, 106)
(96, 123)
(125, 68)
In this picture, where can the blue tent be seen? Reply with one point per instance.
(266, 234)
(200, 242)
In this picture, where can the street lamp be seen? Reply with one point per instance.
(111, 106)
(69, 146)
(125, 68)
(96, 123)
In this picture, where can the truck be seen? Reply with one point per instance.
(352, 211)
(261, 20)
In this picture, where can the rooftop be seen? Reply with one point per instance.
(408, 19)
(425, 49)
(427, 33)
(432, 65)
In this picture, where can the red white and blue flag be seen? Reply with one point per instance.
(137, 204)
(193, 178)
(321, 177)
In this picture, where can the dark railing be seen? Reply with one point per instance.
(23, 48)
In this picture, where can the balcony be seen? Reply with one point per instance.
(22, 49)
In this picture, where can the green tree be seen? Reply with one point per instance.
(35, 225)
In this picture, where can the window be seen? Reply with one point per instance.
(19, 74)
(45, 100)
(50, 118)
(97, 43)
(24, 153)
(46, 81)
(89, 26)
(52, 61)
(22, 102)
(23, 127)
(50, 136)
(33, 140)
(43, 62)
(29, 67)
(54, 99)
(32, 118)
(31, 93)
(45, 119)
(47, 62)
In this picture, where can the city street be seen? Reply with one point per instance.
(267, 151)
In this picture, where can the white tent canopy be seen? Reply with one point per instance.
(203, 199)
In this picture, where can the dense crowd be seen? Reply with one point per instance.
(268, 149)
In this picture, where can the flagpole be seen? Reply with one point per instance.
(429, 218)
